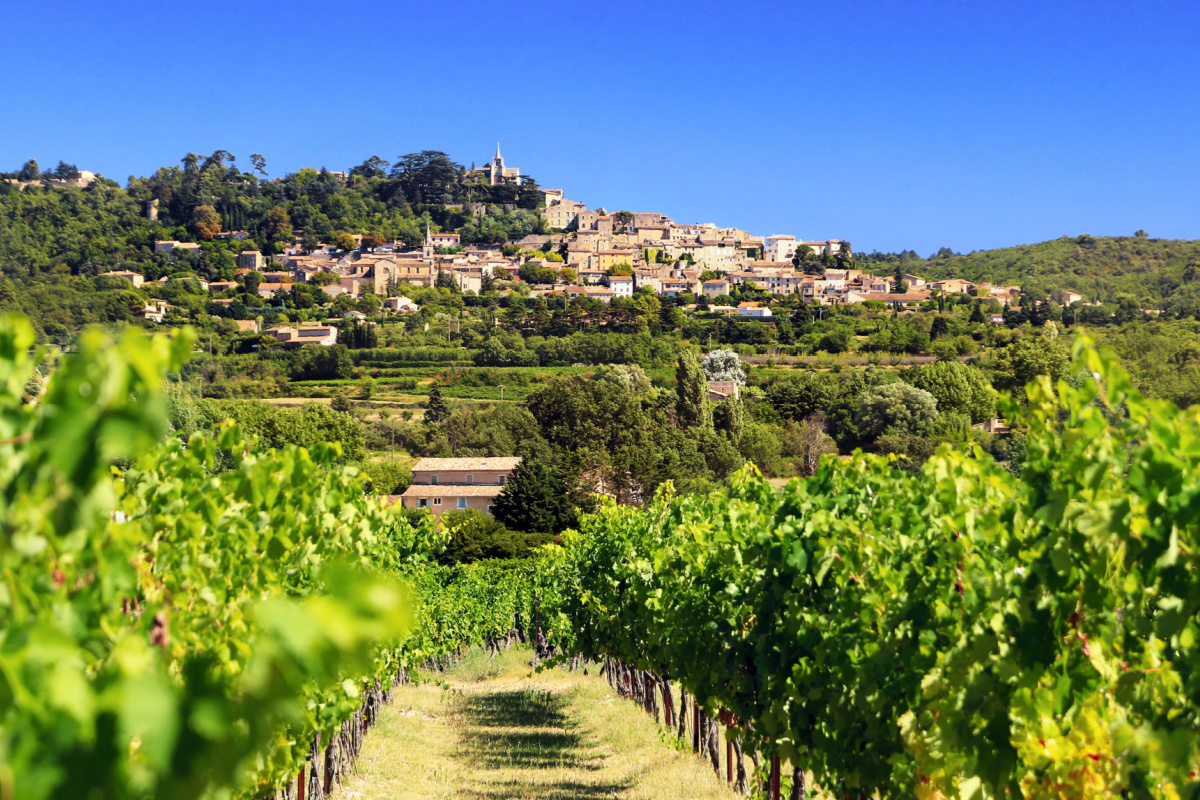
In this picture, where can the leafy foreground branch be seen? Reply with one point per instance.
(175, 631)
(959, 630)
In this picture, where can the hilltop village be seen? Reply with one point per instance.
(583, 252)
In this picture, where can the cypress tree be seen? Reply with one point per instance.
(436, 409)
(729, 417)
(692, 409)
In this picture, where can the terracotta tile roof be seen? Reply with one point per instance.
(441, 490)
(452, 464)
(910, 297)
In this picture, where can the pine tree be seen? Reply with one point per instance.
(692, 409)
(31, 171)
(977, 313)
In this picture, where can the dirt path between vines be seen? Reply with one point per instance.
(499, 730)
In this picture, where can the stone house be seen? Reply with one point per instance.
(306, 334)
(137, 279)
(715, 288)
(250, 259)
(563, 213)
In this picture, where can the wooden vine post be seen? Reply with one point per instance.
(774, 791)
(727, 720)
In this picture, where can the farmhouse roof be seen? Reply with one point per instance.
(442, 490)
(451, 464)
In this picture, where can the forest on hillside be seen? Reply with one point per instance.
(1155, 273)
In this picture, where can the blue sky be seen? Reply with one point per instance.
(921, 124)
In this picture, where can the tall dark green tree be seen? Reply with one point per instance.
(436, 410)
(845, 255)
(373, 167)
(31, 171)
(729, 417)
(359, 335)
(692, 409)
(251, 280)
(1039, 314)
(536, 499)
(939, 327)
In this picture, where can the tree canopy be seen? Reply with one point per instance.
(897, 408)
(536, 499)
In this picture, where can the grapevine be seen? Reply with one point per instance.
(958, 629)
(172, 630)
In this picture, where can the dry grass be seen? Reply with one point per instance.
(294, 402)
(498, 730)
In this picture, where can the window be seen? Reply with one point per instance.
(462, 502)
(422, 503)
(489, 508)
(433, 479)
(437, 501)
(503, 478)
(470, 479)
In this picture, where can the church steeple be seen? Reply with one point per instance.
(497, 172)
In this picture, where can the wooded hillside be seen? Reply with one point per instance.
(1159, 273)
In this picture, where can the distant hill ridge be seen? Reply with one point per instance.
(1158, 272)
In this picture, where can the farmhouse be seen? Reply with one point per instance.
(457, 484)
